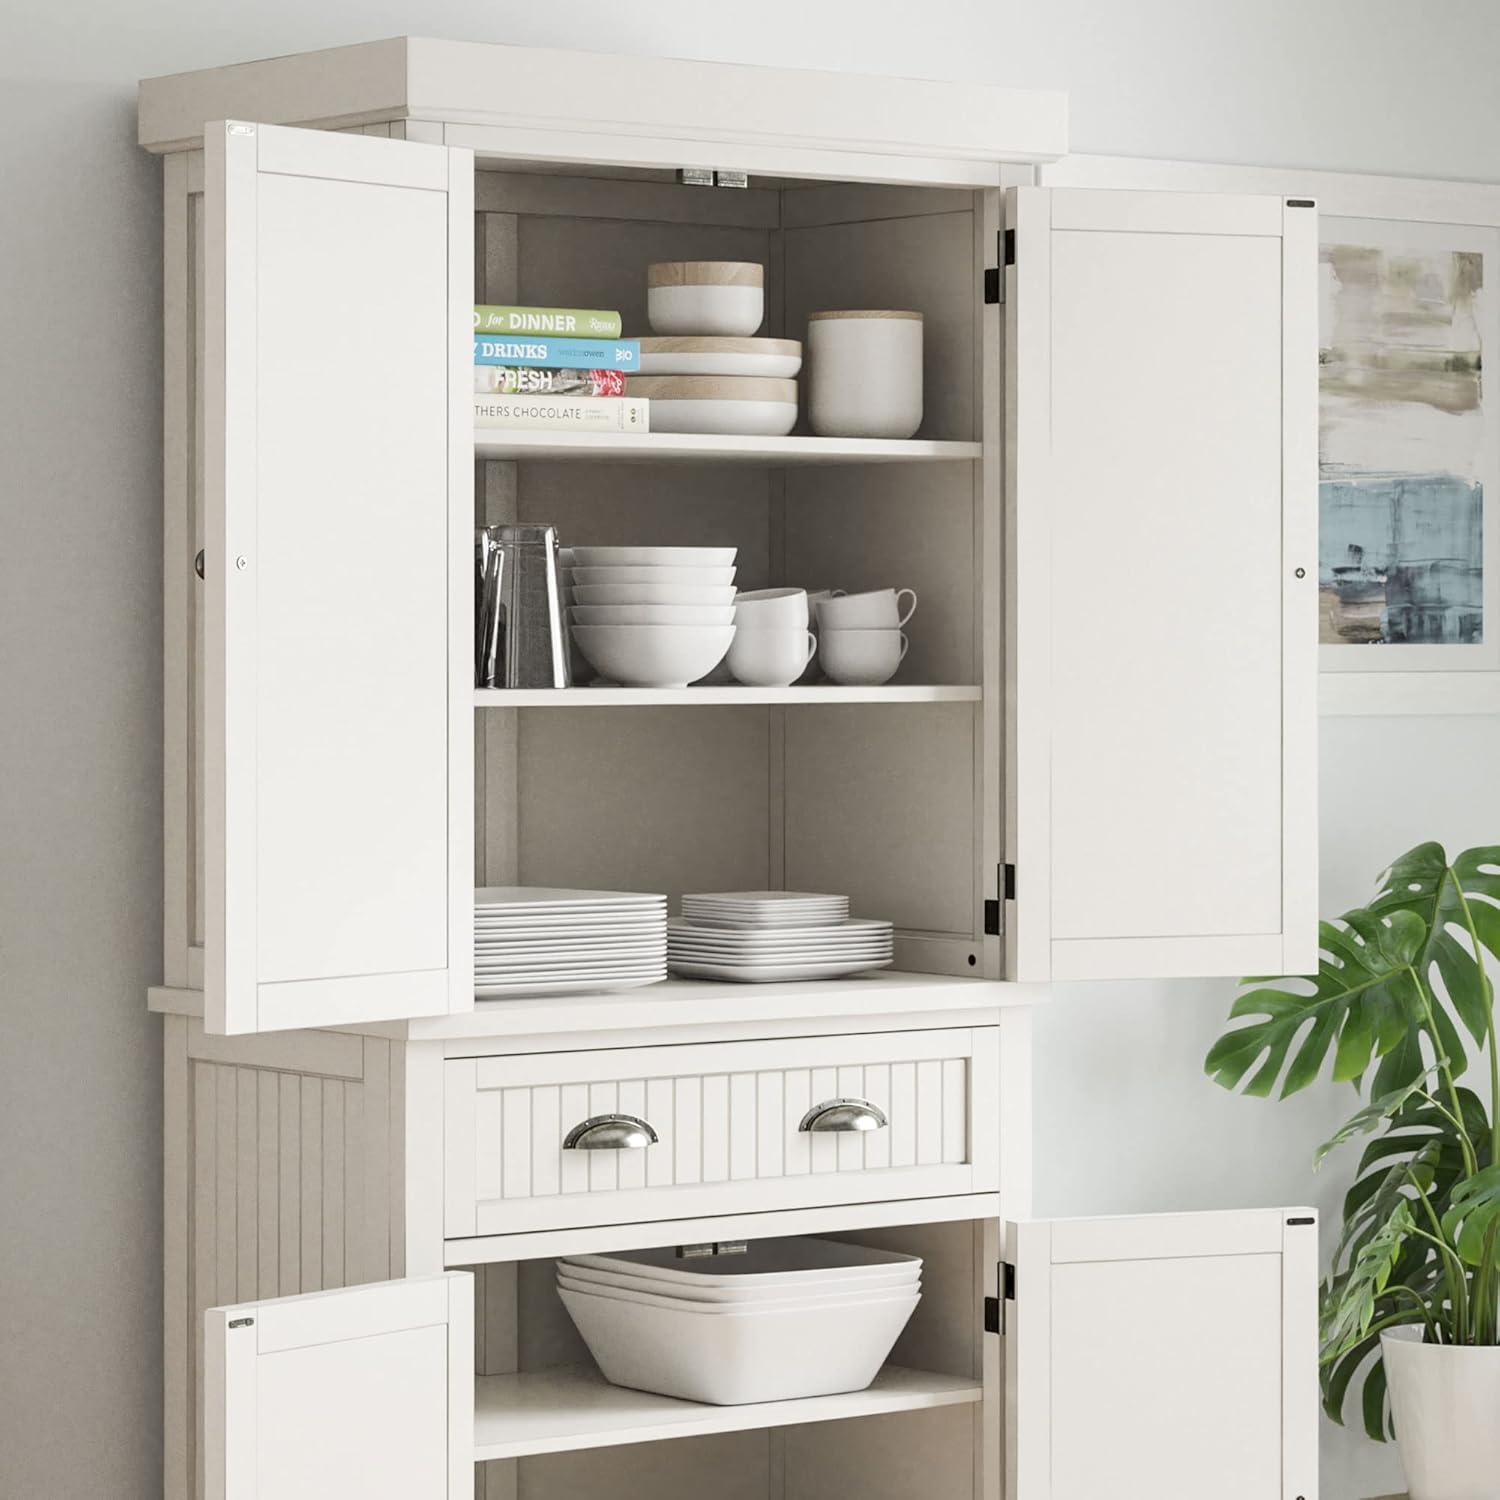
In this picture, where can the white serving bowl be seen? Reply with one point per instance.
(737, 405)
(653, 614)
(654, 593)
(877, 1280)
(660, 656)
(778, 358)
(742, 1354)
(695, 578)
(797, 1260)
(653, 557)
(860, 658)
(671, 1302)
(717, 298)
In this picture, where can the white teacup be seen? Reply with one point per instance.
(770, 658)
(771, 609)
(880, 609)
(860, 658)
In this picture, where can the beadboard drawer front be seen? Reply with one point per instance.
(727, 1118)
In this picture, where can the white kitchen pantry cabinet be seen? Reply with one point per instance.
(1097, 762)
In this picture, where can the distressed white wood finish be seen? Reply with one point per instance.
(546, 92)
(1145, 1353)
(1160, 430)
(367, 1391)
(277, 1181)
(339, 746)
(727, 1119)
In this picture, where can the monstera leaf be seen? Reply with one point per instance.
(1457, 904)
(1363, 1002)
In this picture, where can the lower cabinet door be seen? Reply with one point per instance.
(1171, 1357)
(367, 1391)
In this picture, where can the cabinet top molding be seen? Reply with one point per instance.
(549, 96)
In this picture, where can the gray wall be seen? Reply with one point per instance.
(1125, 1119)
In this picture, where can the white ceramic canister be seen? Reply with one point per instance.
(865, 374)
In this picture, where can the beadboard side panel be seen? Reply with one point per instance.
(280, 1159)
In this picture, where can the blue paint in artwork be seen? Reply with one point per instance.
(1400, 558)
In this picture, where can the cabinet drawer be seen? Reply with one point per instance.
(729, 1126)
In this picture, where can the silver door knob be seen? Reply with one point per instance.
(610, 1133)
(844, 1114)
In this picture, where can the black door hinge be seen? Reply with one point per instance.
(991, 285)
(1008, 882)
(992, 919)
(1009, 244)
(1007, 1281)
(992, 1315)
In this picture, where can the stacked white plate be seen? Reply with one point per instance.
(652, 616)
(759, 937)
(788, 1318)
(536, 940)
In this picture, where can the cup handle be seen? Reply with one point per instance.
(812, 650)
(838, 593)
(911, 609)
(904, 645)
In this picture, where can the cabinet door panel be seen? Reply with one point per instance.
(338, 579)
(1164, 648)
(1173, 1356)
(367, 1391)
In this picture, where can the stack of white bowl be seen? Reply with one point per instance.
(860, 639)
(705, 371)
(781, 1320)
(652, 616)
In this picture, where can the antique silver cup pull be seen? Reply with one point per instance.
(844, 1114)
(610, 1133)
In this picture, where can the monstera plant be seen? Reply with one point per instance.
(1400, 1000)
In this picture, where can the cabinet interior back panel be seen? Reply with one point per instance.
(352, 707)
(644, 799)
(924, 263)
(880, 806)
(895, 526)
(1166, 669)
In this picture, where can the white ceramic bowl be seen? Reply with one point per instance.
(716, 298)
(861, 658)
(694, 578)
(653, 655)
(653, 614)
(770, 658)
(741, 1355)
(874, 1279)
(778, 358)
(763, 609)
(797, 1260)
(878, 609)
(653, 593)
(653, 557)
(864, 374)
(738, 405)
(671, 1302)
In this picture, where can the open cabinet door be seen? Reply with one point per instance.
(1161, 378)
(338, 578)
(1170, 1357)
(368, 1391)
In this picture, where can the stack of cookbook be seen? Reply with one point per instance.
(554, 368)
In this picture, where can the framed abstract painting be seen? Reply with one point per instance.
(1409, 426)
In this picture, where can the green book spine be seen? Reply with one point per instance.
(561, 322)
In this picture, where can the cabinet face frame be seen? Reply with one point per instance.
(1044, 222)
(293, 967)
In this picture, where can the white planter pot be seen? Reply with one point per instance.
(1446, 1405)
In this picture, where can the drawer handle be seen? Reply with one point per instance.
(610, 1133)
(844, 1114)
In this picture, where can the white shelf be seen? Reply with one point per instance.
(558, 1411)
(683, 447)
(730, 694)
